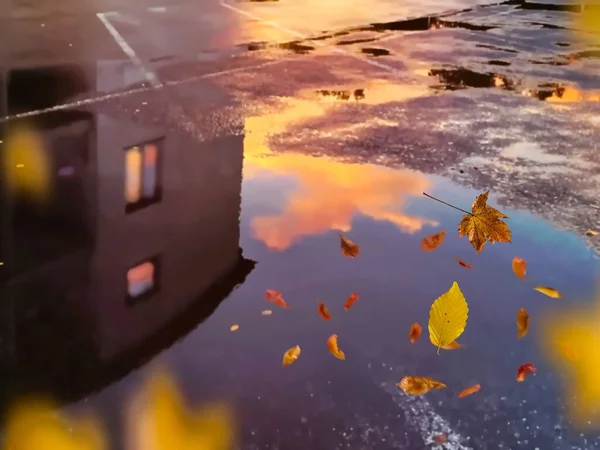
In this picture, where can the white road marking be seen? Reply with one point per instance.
(121, 42)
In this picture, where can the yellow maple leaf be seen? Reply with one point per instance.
(571, 342)
(158, 419)
(484, 224)
(35, 425)
(448, 317)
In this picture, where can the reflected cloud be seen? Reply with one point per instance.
(328, 193)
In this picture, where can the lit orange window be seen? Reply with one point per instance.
(141, 175)
(140, 279)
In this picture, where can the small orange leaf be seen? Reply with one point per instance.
(519, 267)
(440, 439)
(469, 391)
(462, 263)
(323, 311)
(524, 370)
(433, 241)
(419, 385)
(234, 327)
(291, 355)
(522, 323)
(451, 346)
(276, 297)
(349, 248)
(550, 292)
(332, 345)
(415, 332)
(353, 297)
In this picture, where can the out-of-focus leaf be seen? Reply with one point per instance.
(448, 317)
(484, 224)
(353, 297)
(349, 248)
(591, 233)
(159, 419)
(550, 292)
(440, 439)
(519, 267)
(38, 425)
(234, 327)
(332, 346)
(415, 332)
(419, 385)
(469, 391)
(522, 323)
(433, 241)
(266, 312)
(523, 370)
(323, 311)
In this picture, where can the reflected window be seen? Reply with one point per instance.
(142, 181)
(142, 280)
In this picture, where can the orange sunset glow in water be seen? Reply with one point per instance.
(327, 193)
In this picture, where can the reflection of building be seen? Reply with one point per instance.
(137, 245)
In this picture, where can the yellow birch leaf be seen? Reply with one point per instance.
(522, 323)
(448, 317)
(550, 292)
(419, 385)
(484, 224)
(291, 355)
(591, 233)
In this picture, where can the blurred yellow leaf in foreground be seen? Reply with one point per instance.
(39, 426)
(159, 420)
(588, 26)
(571, 340)
(26, 163)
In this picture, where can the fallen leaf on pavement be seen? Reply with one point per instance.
(433, 241)
(415, 332)
(550, 292)
(332, 345)
(323, 311)
(462, 263)
(522, 323)
(276, 297)
(523, 370)
(419, 385)
(484, 224)
(469, 391)
(448, 317)
(349, 248)
(519, 267)
(350, 301)
(291, 355)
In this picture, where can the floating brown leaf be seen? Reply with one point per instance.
(419, 385)
(522, 323)
(433, 241)
(469, 391)
(440, 439)
(415, 332)
(462, 263)
(291, 355)
(353, 297)
(550, 292)
(524, 370)
(271, 295)
(451, 346)
(323, 311)
(484, 224)
(332, 345)
(519, 267)
(349, 248)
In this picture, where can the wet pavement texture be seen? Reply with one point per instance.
(265, 129)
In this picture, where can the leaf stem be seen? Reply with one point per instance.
(447, 204)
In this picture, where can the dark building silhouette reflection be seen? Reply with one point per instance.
(137, 244)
